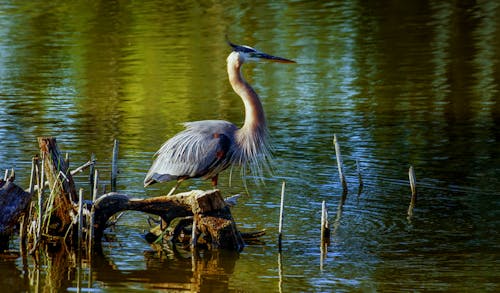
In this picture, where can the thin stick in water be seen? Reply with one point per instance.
(280, 226)
(80, 217)
(23, 227)
(340, 164)
(41, 186)
(325, 234)
(325, 229)
(413, 186)
(34, 163)
(92, 175)
(96, 185)
(114, 166)
(92, 211)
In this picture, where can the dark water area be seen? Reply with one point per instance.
(400, 84)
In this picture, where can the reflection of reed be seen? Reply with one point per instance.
(360, 178)
(336, 223)
(280, 272)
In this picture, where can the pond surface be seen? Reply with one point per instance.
(400, 84)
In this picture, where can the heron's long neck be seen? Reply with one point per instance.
(255, 119)
(252, 138)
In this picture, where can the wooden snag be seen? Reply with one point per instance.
(61, 184)
(13, 203)
(210, 213)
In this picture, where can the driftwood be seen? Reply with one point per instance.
(209, 212)
(13, 203)
(203, 218)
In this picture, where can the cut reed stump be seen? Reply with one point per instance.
(413, 183)
(214, 224)
(13, 203)
(340, 164)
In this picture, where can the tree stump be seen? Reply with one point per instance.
(13, 203)
(60, 182)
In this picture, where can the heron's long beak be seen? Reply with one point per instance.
(273, 58)
(257, 54)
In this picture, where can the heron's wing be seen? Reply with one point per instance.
(201, 150)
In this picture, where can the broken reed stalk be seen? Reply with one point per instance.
(12, 175)
(325, 234)
(96, 185)
(82, 167)
(49, 208)
(114, 165)
(413, 186)
(340, 164)
(23, 230)
(80, 218)
(41, 187)
(95, 182)
(91, 175)
(280, 226)
(325, 229)
(34, 168)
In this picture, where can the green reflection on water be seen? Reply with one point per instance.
(399, 84)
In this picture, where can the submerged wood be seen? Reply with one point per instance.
(13, 203)
(209, 211)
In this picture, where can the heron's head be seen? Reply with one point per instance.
(249, 54)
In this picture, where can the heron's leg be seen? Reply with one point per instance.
(174, 188)
(214, 181)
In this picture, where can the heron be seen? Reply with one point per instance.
(206, 148)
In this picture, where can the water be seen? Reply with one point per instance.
(400, 85)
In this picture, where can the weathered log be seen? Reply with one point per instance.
(211, 214)
(13, 203)
(220, 229)
(61, 183)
